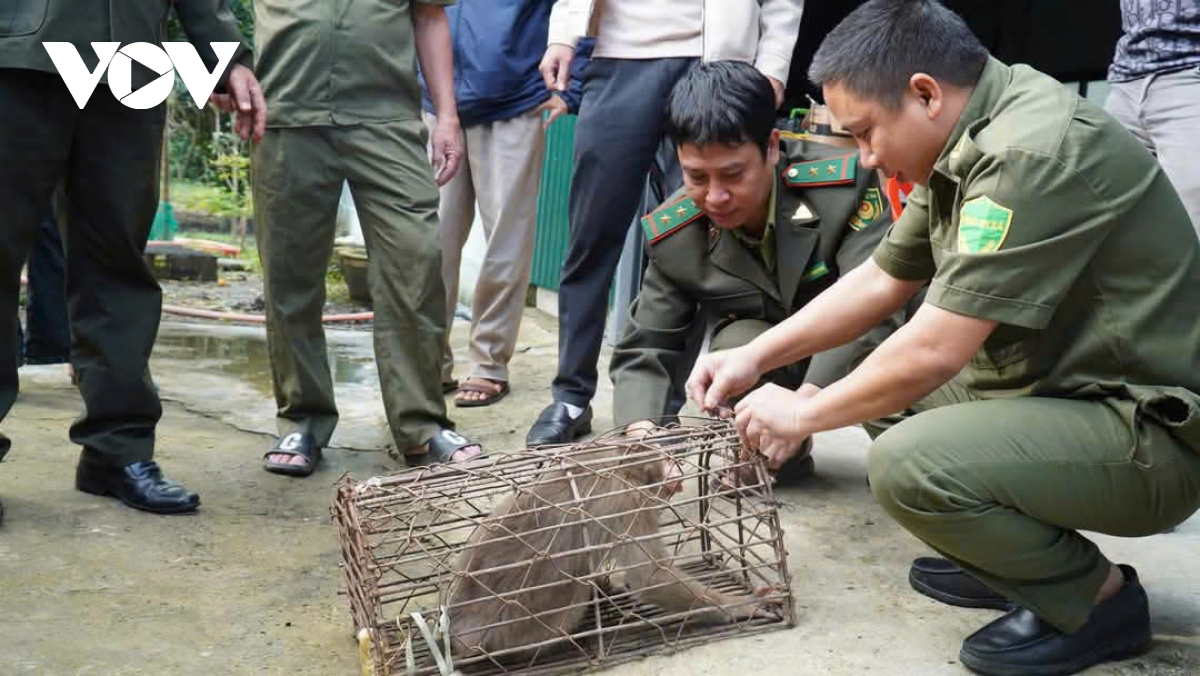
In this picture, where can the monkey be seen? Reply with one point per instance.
(538, 518)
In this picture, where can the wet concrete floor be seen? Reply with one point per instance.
(250, 584)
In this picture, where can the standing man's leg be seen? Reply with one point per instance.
(506, 158)
(115, 304)
(296, 190)
(1171, 115)
(397, 199)
(456, 214)
(37, 121)
(48, 330)
(616, 137)
(1003, 487)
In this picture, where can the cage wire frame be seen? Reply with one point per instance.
(402, 534)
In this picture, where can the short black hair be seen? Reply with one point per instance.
(727, 102)
(875, 50)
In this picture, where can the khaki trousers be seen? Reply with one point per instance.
(298, 176)
(501, 173)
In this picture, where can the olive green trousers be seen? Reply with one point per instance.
(298, 175)
(1003, 488)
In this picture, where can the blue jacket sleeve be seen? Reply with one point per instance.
(574, 93)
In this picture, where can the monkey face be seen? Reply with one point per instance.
(672, 478)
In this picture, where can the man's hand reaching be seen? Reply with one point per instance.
(245, 99)
(719, 376)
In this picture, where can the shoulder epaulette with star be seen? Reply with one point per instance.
(829, 171)
(669, 218)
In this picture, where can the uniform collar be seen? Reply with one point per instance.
(766, 245)
(991, 85)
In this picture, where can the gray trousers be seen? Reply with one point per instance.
(1163, 111)
(616, 137)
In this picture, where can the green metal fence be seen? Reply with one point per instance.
(550, 246)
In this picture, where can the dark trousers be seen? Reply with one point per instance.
(107, 155)
(46, 338)
(616, 137)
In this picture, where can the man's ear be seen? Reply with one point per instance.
(773, 148)
(928, 92)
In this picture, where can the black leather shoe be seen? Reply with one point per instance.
(942, 580)
(140, 485)
(1021, 644)
(555, 426)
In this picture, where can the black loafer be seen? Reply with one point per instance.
(1021, 644)
(556, 426)
(140, 485)
(942, 580)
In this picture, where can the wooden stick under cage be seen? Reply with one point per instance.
(407, 537)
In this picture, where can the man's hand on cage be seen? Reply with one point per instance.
(770, 420)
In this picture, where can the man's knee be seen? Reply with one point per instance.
(909, 473)
(737, 333)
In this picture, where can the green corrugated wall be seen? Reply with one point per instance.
(550, 245)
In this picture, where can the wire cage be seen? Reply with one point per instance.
(563, 558)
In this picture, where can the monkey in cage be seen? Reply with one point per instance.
(548, 545)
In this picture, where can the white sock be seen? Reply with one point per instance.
(573, 410)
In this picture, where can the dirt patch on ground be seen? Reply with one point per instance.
(242, 292)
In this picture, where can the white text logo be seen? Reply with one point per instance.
(179, 57)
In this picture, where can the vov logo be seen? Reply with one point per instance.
(178, 57)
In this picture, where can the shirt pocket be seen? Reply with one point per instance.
(1006, 359)
(22, 17)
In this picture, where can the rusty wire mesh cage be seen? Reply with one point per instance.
(521, 558)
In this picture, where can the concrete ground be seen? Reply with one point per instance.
(249, 585)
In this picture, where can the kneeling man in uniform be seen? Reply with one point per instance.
(760, 228)
(1049, 377)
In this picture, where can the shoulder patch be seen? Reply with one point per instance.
(869, 210)
(669, 218)
(982, 225)
(829, 171)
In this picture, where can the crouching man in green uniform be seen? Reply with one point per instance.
(760, 228)
(1060, 332)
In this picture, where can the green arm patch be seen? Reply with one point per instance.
(814, 272)
(869, 210)
(669, 218)
(982, 225)
(829, 171)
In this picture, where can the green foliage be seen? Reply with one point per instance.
(200, 145)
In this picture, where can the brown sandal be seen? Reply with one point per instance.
(492, 397)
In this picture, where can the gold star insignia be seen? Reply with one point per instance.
(831, 169)
(812, 171)
(665, 218)
(681, 211)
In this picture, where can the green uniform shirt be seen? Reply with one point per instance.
(828, 215)
(1046, 215)
(24, 26)
(333, 62)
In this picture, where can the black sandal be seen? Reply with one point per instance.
(442, 447)
(292, 445)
